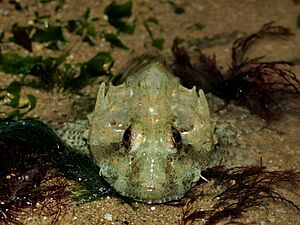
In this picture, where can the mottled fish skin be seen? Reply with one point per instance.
(150, 136)
(75, 135)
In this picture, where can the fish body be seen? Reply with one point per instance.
(150, 136)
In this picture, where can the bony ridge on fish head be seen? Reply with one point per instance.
(150, 136)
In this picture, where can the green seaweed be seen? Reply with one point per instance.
(99, 65)
(1, 35)
(49, 71)
(45, 1)
(21, 36)
(17, 4)
(114, 40)
(53, 35)
(197, 26)
(11, 98)
(11, 62)
(40, 32)
(158, 43)
(55, 72)
(298, 21)
(155, 42)
(117, 13)
(84, 27)
(178, 9)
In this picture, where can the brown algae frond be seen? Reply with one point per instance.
(250, 82)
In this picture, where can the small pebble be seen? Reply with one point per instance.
(108, 216)
(5, 12)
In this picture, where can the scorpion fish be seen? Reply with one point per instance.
(150, 136)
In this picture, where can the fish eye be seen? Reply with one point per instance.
(127, 137)
(176, 138)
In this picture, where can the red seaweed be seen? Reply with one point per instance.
(27, 182)
(250, 82)
(245, 188)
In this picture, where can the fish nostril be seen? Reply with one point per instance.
(127, 138)
(176, 138)
(151, 188)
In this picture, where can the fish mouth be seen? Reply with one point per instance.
(160, 201)
(151, 194)
(153, 201)
(154, 196)
(147, 195)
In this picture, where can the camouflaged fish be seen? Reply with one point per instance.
(150, 136)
